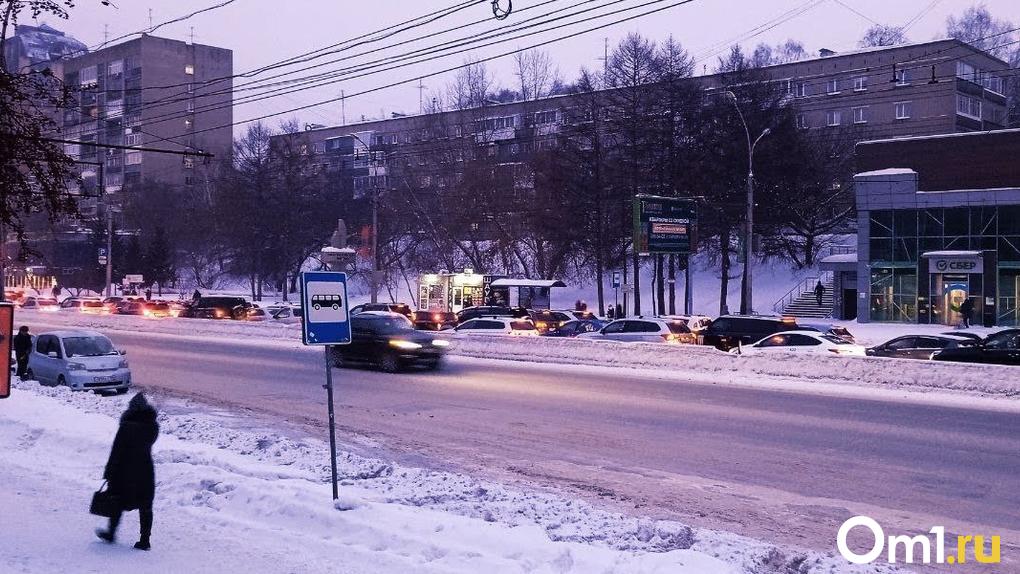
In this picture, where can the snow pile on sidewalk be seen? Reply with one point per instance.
(232, 499)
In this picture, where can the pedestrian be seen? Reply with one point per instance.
(819, 292)
(966, 308)
(611, 312)
(577, 305)
(196, 295)
(22, 348)
(619, 311)
(129, 472)
(148, 293)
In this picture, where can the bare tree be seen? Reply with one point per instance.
(536, 74)
(789, 51)
(471, 86)
(977, 27)
(882, 35)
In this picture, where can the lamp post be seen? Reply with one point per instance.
(746, 305)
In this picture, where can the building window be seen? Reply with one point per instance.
(860, 83)
(133, 158)
(189, 69)
(903, 110)
(802, 122)
(832, 86)
(786, 87)
(902, 78)
(833, 118)
(87, 77)
(802, 90)
(860, 115)
(190, 107)
(968, 106)
(115, 68)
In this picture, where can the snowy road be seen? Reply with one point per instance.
(783, 466)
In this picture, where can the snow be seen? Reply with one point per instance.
(235, 495)
(951, 253)
(887, 171)
(839, 258)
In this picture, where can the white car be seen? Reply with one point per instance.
(643, 330)
(82, 360)
(496, 326)
(801, 343)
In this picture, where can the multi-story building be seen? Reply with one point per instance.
(38, 47)
(909, 90)
(148, 92)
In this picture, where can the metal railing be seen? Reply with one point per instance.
(805, 286)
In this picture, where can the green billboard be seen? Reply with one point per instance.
(664, 224)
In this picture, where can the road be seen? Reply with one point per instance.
(783, 466)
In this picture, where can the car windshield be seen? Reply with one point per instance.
(678, 327)
(391, 325)
(88, 346)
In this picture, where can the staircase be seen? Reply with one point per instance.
(805, 305)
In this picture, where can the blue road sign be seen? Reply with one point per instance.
(324, 308)
(616, 279)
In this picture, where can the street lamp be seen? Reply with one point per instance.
(746, 306)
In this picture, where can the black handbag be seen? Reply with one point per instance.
(104, 503)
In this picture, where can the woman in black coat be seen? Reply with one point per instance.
(129, 471)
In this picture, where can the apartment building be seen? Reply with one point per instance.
(148, 92)
(909, 90)
(39, 47)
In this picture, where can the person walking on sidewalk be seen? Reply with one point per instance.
(129, 471)
(819, 292)
(966, 308)
(22, 349)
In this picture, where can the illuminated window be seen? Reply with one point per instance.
(189, 69)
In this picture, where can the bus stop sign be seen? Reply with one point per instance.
(324, 308)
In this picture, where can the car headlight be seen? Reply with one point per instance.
(440, 343)
(405, 345)
(76, 367)
(123, 364)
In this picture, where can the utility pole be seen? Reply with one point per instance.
(421, 96)
(109, 251)
(375, 240)
(343, 109)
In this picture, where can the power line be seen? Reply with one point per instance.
(117, 146)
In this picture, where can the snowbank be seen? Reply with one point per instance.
(233, 499)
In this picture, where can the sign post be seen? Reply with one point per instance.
(6, 339)
(325, 323)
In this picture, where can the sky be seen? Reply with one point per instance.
(262, 32)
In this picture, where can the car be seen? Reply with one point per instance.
(643, 330)
(1001, 348)
(390, 342)
(546, 320)
(176, 307)
(434, 320)
(575, 328)
(582, 315)
(966, 334)
(497, 326)
(145, 309)
(696, 323)
(490, 311)
(82, 360)
(801, 342)
(40, 304)
(917, 346)
(285, 314)
(829, 329)
(255, 313)
(218, 307)
(112, 302)
(402, 308)
(729, 331)
(75, 303)
(93, 307)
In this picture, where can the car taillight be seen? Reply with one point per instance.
(437, 317)
(670, 338)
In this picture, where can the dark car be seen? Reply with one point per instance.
(402, 308)
(546, 320)
(390, 342)
(434, 320)
(491, 311)
(1002, 348)
(145, 309)
(917, 346)
(575, 328)
(729, 331)
(218, 307)
(965, 334)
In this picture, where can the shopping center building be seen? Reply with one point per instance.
(938, 222)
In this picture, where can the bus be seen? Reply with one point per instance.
(320, 301)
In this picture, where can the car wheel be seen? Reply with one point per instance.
(29, 375)
(121, 391)
(433, 365)
(389, 363)
(61, 381)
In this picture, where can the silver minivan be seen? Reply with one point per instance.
(82, 360)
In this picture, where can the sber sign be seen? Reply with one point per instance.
(955, 265)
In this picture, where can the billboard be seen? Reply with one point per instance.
(664, 224)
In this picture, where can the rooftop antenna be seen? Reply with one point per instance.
(343, 109)
(421, 96)
(106, 33)
(192, 34)
(150, 19)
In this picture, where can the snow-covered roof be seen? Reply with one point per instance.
(840, 258)
(887, 171)
(951, 254)
(528, 283)
(942, 136)
(331, 249)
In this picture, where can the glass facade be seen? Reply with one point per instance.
(898, 238)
